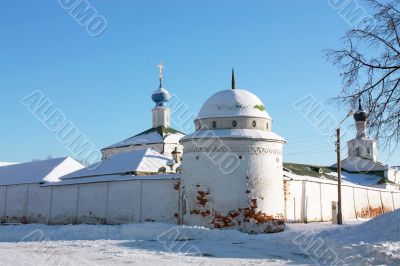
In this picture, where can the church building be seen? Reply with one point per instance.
(227, 174)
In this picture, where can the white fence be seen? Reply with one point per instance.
(311, 201)
(115, 202)
(136, 201)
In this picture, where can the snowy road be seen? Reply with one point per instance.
(160, 244)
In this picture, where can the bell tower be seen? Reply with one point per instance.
(362, 146)
(161, 113)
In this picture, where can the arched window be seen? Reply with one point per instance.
(234, 123)
(254, 123)
(214, 124)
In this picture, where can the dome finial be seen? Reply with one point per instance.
(161, 67)
(161, 96)
(360, 115)
(233, 79)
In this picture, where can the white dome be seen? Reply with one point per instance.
(229, 103)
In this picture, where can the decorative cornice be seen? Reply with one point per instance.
(252, 150)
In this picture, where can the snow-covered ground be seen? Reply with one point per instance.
(376, 242)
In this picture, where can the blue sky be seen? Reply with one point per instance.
(104, 84)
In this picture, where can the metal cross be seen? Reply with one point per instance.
(161, 67)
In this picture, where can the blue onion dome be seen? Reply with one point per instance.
(160, 97)
(360, 115)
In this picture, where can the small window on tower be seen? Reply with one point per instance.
(254, 123)
(234, 123)
(214, 124)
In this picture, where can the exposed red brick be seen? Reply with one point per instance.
(202, 198)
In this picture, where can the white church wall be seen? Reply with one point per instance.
(124, 202)
(136, 201)
(310, 201)
(328, 194)
(39, 203)
(396, 200)
(293, 196)
(160, 201)
(115, 202)
(348, 203)
(3, 190)
(92, 203)
(375, 202)
(64, 204)
(387, 201)
(107, 153)
(16, 203)
(360, 201)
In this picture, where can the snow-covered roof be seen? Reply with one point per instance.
(6, 163)
(140, 161)
(316, 173)
(109, 178)
(358, 164)
(38, 172)
(151, 136)
(234, 134)
(229, 103)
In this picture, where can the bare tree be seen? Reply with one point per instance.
(370, 68)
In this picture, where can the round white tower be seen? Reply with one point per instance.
(232, 166)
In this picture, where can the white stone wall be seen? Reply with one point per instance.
(227, 123)
(136, 201)
(163, 148)
(107, 153)
(115, 202)
(161, 117)
(310, 201)
(247, 195)
(364, 148)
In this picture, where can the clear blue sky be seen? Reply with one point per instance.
(104, 84)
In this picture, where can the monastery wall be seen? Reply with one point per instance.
(116, 202)
(136, 201)
(311, 201)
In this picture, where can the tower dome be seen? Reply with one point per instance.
(229, 103)
(233, 109)
(161, 97)
(360, 115)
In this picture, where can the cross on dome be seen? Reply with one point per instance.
(160, 67)
(160, 96)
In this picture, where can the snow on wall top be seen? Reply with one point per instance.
(234, 134)
(6, 163)
(38, 172)
(142, 161)
(151, 136)
(110, 178)
(228, 103)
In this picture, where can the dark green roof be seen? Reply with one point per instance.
(323, 171)
(309, 170)
(141, 138)
(162, 131)
(384, 180)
